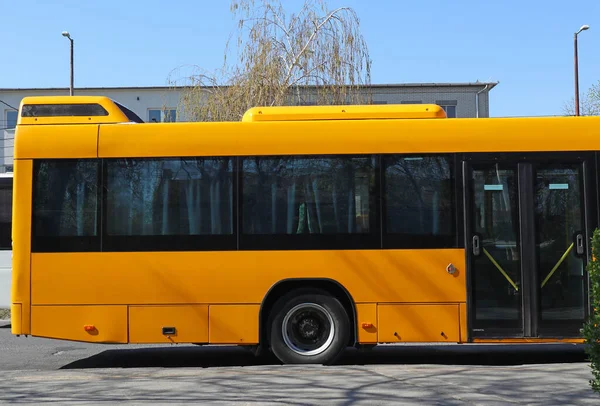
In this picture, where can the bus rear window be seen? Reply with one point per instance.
(62, 110)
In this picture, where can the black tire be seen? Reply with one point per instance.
(317, 328)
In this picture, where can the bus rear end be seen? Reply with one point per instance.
(47, 128)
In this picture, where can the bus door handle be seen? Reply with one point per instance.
(579, 244)
(476, 246)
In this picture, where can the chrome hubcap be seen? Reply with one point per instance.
(308, 329)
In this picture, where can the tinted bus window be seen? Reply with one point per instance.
(419, 202)
(148, 201)
(65, 205)
(309, 197)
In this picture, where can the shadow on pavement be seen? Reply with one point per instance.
(469, 354)
(169, 357)
(206, 357)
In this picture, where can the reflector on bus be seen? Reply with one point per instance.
(73, 110)
(350, 112)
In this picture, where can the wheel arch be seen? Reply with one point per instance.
(280, 288)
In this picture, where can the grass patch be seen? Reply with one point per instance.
(4, 314)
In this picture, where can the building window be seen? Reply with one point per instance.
(419, 201)
(301, 203)
(168, 115)
(450, 111)
(11, 118)
(411, 102)
(154, 116)
(449, 107)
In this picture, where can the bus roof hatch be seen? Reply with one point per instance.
(349, 112)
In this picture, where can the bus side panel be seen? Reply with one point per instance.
(418, 323)
(21, 237)
(94, 324)
(56, 141)
(233, 324)
(168, 324)
(244, 277)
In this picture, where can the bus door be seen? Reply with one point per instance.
(528, 220)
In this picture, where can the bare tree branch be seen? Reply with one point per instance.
(589, 104)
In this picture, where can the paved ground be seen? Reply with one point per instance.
(39, 371)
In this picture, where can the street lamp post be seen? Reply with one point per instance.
(583, 28)
(66, 34)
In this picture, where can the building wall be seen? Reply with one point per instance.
(464, 98)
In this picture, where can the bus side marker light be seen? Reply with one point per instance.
(89, 328)
(367, 325)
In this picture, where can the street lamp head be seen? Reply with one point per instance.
(583, 28)
(66, 34)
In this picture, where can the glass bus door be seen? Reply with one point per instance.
(495, 263)
(527, 247)
(561, 248)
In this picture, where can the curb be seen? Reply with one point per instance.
(4, 323)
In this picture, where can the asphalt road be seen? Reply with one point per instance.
(36, 370)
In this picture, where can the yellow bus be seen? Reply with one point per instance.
(301, 230)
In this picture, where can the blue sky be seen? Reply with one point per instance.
(526, 45)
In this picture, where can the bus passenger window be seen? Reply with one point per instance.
(159, 197)
(65, 205)
(419, 201)
(307, 195)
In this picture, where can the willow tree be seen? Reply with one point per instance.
(314, 56)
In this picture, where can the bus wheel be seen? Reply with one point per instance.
(308, 327)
